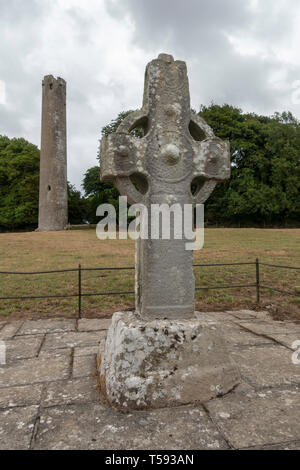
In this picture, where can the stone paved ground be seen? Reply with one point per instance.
(48, 396)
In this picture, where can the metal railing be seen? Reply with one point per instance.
(80, 294)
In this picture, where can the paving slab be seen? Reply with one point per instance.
(86, 351)
(23, 348)
(27, 395)
(243, 314)
(94, 324)
(33, 371)
(99, 428)
(264, 315)
(184, 428)
(214, 316)
(34, 327)
(256, 418)
(76, 391)
(235, 336)
(233, 333)
(71, 340)
(285, 340)
(10, 330)
(283, 446)
(66, 428)
(84, 366)
(267, 366)
(271, 327)
(16, 428)
(231, 330)
(243, 387)
(250, 315)
(67, 352)
(261, 413)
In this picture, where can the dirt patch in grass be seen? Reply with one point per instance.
(66, 250)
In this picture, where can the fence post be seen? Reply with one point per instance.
(257, 281)
(79, 292)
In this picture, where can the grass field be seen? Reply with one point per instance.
(65, 250)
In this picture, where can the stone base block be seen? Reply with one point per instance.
(164, 363)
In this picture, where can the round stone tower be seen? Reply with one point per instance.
(53, 200)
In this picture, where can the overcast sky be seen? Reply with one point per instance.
(242, 52)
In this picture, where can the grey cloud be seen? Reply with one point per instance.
(188, 27)
(17, 10)
(198, 25)
(102, 53)
(197, 31)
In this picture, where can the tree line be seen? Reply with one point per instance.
(264, 189)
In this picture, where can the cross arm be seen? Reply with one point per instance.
(122, 158)
(211, 159)
(121, 155)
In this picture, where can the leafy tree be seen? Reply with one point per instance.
(265, 157)
(97, 193)
(77, 206)
(264, 188)
(265, 154)
(19, 187)
(114, 124)
(19, 183)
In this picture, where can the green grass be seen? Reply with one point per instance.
(65, 250)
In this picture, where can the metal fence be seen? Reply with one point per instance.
(80, 294)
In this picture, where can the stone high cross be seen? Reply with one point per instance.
(164, 355)
(178, 161)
